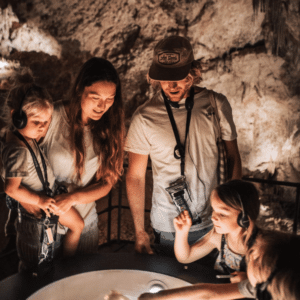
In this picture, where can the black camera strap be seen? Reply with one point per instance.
(43, 180)
(189, 103)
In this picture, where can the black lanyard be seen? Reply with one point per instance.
(189, 103)
(44, 182)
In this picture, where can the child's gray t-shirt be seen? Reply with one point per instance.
(16, 161)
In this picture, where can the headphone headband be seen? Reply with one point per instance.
(243, 219)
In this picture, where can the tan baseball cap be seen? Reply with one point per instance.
(172, 59)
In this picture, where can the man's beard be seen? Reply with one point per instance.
(183, 93)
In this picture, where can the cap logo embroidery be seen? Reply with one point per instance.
(169, 58)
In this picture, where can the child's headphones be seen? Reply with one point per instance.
(243, 219)
(19, 117)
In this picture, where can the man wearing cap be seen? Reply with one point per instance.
(177, 129)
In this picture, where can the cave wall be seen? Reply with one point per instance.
(54, 38)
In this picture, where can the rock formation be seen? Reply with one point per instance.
(233, 43)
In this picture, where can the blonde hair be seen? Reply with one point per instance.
(36, 106)
(34, 99)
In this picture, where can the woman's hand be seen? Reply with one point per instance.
(238, 277)
(64, 202)
(183, 222)
(47, 204)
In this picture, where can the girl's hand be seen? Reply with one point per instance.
(47, 204)
(183, 222)
(238, 277)
(64, 202)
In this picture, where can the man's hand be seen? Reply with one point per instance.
(142, 243)
(183, 222)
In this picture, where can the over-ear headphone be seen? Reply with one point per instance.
(243, 219)
(19, 117)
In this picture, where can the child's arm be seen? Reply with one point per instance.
(198, 291)
(183, 251)
(182, 224)
(14, 189)
(32, 209)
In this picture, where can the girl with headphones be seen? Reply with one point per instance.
(235, 207)
(273, 269)
(29, 181)
(273, 265)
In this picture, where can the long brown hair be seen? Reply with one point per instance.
(241, 195)
(108, 132)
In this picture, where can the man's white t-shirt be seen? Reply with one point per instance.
(151, 133)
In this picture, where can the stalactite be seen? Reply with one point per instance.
(276, 11)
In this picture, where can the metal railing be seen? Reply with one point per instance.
(120, 206)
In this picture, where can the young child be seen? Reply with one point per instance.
(235, 207)
(273, 265)
(273, 269)
(28, 111)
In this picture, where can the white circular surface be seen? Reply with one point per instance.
(95, 285)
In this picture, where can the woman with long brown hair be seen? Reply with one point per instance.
(84, 144)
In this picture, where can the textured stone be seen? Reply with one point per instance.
(24, 37)
(232, 43)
